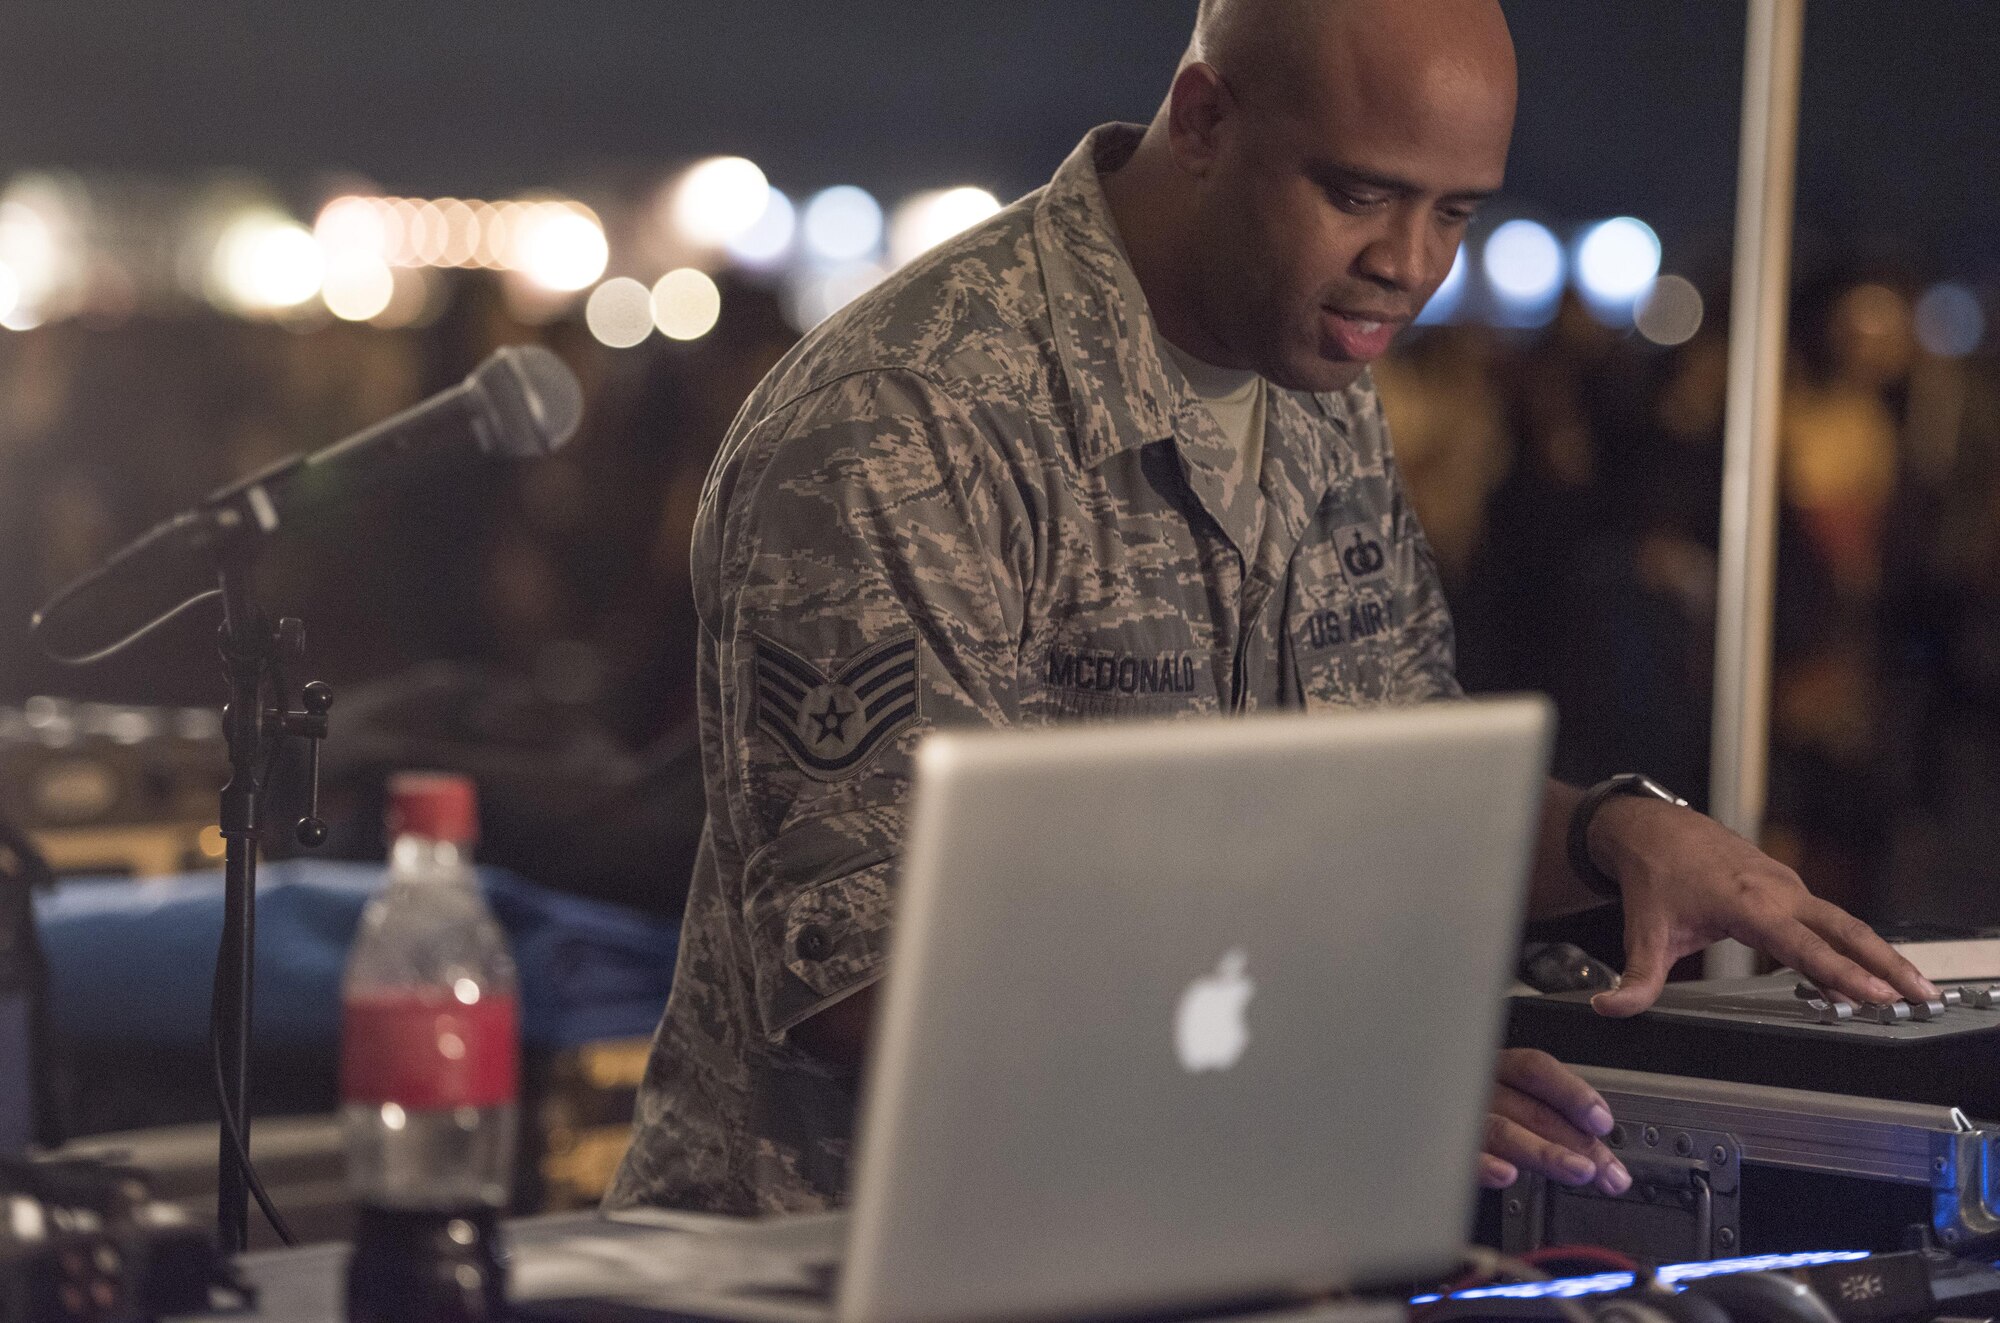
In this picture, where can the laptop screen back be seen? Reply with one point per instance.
(1190, 1013)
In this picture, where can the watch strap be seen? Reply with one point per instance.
(1625, 783)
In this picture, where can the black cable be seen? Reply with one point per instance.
(230, 1128)
(92, 658)
(186, 525)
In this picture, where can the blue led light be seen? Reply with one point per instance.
(1673, 1275)
(1689, 1272)
(1562, 1287)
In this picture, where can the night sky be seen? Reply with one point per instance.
(1628, 105)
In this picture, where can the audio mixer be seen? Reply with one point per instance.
(1773, 1029)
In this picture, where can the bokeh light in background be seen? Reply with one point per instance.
(355, 225)
(1445, 303)
(718, 200)
(1873, 324)
(843, 224)
(459, 242)
(1950, 322)
(27, 247)
(427, 234)
(374, 259)
(723, 211)
(1616, 263)
(620, 312)
(768, 242)
(41, 247)
(1670, 313)
(265, 263)
(559, 246)
(686, 304)
(358, 285)
(494, 221)
(925, 220)
(1524, 265)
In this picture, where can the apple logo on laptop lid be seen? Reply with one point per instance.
(1210, 1032)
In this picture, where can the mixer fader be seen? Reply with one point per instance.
(1822, 1007)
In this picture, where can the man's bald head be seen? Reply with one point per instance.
(1310, 178)
(1429, 55)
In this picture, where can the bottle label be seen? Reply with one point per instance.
(426, 1049)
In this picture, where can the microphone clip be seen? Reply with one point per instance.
(260, 660)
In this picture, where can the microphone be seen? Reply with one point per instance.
(520, 403)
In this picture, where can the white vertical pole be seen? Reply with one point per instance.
(1739, 757)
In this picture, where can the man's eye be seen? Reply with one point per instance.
(1457, 216)
(1350, 201)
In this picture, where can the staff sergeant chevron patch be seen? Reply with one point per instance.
(831, 726)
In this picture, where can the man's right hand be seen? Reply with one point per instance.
(1544, 1118)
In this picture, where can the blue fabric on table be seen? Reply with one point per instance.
(133, 961)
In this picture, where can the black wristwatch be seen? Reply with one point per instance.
(1626, 783)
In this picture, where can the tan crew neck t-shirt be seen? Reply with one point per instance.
(1236, 397)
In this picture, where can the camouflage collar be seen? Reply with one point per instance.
(1120, 390)
(1123, 393)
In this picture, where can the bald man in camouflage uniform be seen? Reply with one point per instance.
(983, 497)
(986, 495)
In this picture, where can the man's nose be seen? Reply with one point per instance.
(1398, 255)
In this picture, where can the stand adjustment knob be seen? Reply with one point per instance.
(317, 698)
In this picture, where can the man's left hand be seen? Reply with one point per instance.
(1689, 881)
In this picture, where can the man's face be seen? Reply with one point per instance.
(1331, 215)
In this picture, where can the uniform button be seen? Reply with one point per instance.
(813, 943)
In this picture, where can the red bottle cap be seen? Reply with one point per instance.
(441, 805)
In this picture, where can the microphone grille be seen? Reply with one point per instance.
(529, 401)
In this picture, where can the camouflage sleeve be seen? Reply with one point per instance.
(860, 605)
(1429, 660)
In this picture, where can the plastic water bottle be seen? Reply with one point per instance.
(429, 1072)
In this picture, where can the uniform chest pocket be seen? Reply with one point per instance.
(1345, 650)
(1346, 625)
(1108, 679)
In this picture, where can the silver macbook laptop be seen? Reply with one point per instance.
(1184, 1015)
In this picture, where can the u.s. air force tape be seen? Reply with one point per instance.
(831, 725)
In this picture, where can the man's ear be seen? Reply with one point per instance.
(1197, 106)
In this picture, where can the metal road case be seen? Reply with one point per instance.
(1723, 1169)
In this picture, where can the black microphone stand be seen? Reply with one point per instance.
(256, 723)
(521, 402)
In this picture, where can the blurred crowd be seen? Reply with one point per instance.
(535, 620)
(1571, 483)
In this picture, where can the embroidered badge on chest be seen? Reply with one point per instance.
(1362, 555)
(832, 724)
